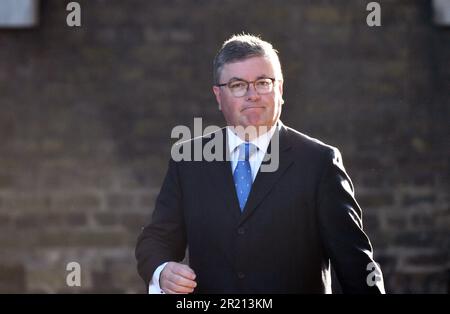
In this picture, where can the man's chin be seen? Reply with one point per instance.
(254, 120)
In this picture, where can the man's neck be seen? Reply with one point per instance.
(251, 133)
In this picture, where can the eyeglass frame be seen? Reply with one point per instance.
(248, 84)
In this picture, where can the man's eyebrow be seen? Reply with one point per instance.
(234, 78)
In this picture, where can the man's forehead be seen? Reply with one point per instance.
(250, 68)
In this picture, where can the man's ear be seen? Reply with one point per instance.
(216, 91)
(280, 86)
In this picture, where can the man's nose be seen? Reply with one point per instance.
(251, 91)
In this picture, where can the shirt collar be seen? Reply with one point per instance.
(261, 142)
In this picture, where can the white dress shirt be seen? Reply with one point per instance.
(256, 157)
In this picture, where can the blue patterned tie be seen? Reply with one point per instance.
(243, 175)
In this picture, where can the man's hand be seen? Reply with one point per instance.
(177, 278)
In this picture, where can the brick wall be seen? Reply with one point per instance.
(86, 115)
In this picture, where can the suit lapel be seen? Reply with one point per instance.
(221, 178)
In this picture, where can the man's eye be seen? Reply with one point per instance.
(263, 83)
(237, 85)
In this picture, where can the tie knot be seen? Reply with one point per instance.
(244, 151)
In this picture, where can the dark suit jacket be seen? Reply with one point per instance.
(296, 220)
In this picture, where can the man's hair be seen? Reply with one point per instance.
(241, 47)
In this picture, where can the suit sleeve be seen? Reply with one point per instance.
(340, 222)
(164, 239)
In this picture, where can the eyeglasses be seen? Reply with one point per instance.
(240, 87)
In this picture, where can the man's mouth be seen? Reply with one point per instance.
(252, 107)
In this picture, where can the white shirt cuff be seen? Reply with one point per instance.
(154, 287)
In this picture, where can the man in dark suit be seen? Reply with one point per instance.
(251, 228)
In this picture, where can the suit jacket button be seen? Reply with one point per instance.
(241, 275)
(241, 231)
